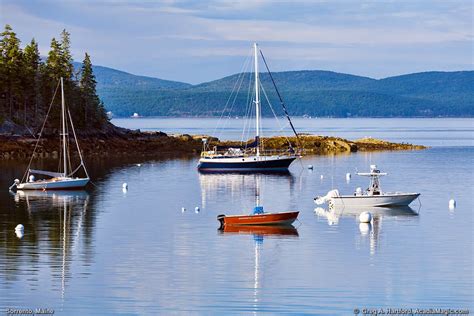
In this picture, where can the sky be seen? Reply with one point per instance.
(199, 41)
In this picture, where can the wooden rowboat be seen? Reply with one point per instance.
(285, 218)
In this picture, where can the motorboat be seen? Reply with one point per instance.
(373, 195)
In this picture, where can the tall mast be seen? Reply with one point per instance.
(257, 100)
(63, 118)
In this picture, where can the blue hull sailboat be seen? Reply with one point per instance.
(253, 157)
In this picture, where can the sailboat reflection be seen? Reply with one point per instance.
(374, 228)
(63, 232)
(259, 232)
(238, 185)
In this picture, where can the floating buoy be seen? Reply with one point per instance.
(348, 176)
(310, 167)
(139, 164)
(125, 186)
(452, 204)
(20, 227)
(196, 210)
(365, 217)
(322, 177)
(19, 234)
(183, 209)
(364, 228)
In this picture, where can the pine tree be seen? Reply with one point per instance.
(94, 112)
(65, 56)
(11, 61)
(32, 63)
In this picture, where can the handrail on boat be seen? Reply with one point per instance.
(227, 153)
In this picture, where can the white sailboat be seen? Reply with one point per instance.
(373, 196)
(253, 157)
(64, 178)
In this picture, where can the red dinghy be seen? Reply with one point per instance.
(285, 218)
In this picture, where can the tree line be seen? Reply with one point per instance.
(28, 83)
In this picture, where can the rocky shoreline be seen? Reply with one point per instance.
(127, 143)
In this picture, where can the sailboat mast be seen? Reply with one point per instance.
(257, 100)
(63, 118)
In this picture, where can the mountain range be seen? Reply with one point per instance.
(307, 92)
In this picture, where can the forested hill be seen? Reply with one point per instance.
(314, 93)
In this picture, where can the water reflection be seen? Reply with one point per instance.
(372, 229)
(240, 185)
(259, 233)
(56, 222)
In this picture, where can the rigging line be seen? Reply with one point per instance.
(77, 143)
(235, 97)
(274, 114)
(281, 99)
(247, 60)
(248, 103)
(67, 143)
(41, 132)
(250, 115)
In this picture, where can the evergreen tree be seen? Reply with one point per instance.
(32, 62)
(65, 56)
(11, 64)
(94, 112)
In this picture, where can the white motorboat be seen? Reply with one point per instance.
(64, 178)
(373, 196)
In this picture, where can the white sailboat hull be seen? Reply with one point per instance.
(395, 199)
(54, 184)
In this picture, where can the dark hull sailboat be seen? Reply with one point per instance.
(263, 163)
(253, 157)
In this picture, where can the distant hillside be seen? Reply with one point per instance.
(315, 93)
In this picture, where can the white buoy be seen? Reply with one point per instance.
(322, 177)
(452, 204)
(365, 217)
(125, 186)
(348, 176)
(196, 210)
(139, 164)
(20, 227)
(19, 234)
(183, 209)
(310, 167)
(364, 228)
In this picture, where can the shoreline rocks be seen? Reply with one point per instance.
(148, 144)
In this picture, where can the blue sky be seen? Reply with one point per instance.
(197, 41)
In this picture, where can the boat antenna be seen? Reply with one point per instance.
(281, 100)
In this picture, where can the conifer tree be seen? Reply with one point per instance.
(65, 58)
(94, 112)
(32, 62)
(11, 62)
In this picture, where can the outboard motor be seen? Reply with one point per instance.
(16, 182)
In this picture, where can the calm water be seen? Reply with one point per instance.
(106, 251)
(425, 131)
